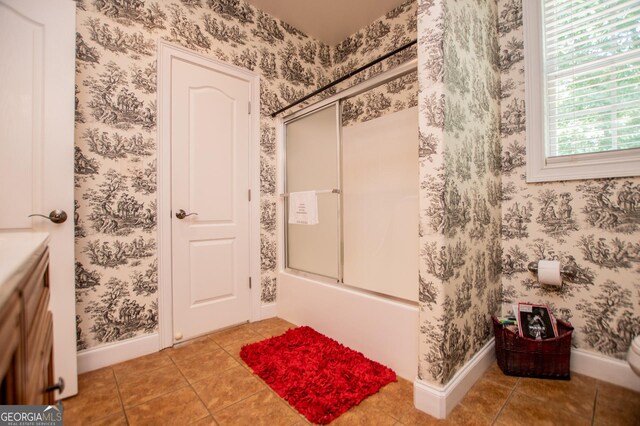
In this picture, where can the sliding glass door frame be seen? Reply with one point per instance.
(382, 78)
(338, 153)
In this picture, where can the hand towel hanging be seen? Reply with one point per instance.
(303, 208)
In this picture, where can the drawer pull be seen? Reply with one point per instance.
(57, 386)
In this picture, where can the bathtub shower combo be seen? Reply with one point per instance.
(354, 274)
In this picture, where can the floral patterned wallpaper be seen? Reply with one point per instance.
(592, 225)
(460, 163)
(115, 153)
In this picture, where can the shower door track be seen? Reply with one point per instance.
(384, 77)
(345, 77)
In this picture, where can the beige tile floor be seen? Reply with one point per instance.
(204, 382)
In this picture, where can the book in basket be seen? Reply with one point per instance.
(535, 322)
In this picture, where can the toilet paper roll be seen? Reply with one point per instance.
(549, 272)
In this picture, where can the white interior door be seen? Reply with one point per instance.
(209, 182)
(37, 42)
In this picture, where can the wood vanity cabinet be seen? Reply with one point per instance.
(26, 338)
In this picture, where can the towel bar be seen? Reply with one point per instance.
(324, 191)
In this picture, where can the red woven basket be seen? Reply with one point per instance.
(521, 356)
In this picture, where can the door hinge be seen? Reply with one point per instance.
(249, 108)
(249, 282)
(249, 194)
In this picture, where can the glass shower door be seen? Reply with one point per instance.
(380, 204)
(312, 164)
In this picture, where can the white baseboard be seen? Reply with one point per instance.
(603, 368)
(438, 402)
(106, 355)
(268, 311)
(110, 354)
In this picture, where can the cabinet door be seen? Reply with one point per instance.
(38, 353)
(45, 369)
(10, 355)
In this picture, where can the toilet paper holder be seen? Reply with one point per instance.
(565, 271)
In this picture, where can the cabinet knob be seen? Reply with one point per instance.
(56, 386)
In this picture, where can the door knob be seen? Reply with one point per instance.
(56, 216)
(181, 214)
(56, 386)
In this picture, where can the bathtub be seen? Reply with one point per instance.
(383, 329)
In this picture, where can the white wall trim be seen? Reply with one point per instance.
(166, 51)
(254, 207)
(280, 202)
(604, 368)
(438, 402)
(269, 310)
(106, 355)
(539, 167)
(165, 296)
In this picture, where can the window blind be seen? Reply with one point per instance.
(592, 75)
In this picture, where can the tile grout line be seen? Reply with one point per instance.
(189, 384)
(494, 384)
(124, 411)
(144, 371)
(388, 413)
(189, 358)
(198, 395)
(155, 397)
(595, 402)
(270, 388)
(220, 347)
(235, 403)
(231, 405)
(192, 390)
(495, 419)
(286, 403)
(203, 404)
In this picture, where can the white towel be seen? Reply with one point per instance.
(303, 208)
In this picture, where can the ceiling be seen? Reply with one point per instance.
(329, 21)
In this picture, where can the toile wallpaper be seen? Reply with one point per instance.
(460, 163)
(478, 216)
(396, 28)
(396, 95)
(115, 147)
(592, 225)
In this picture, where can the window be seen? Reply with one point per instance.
(582, 67)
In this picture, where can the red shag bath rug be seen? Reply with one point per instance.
(317, 375)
